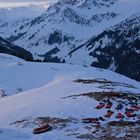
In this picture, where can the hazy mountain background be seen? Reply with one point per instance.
(19, 3)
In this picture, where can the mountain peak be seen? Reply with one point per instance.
(83, 3)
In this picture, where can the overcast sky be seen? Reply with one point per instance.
(22, 0)
(25, 0)
(17, 3)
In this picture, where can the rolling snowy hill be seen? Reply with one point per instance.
(62, 95)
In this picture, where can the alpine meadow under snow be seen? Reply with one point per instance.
(70, 70)
(62, 95)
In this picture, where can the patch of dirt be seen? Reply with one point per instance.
(117, 132)
(23, 123)
(124, 123)
(99, 96)
(104, 84)
(57, 123)
(111, 131)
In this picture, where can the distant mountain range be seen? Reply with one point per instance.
(101, 33)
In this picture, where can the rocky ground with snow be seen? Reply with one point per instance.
(77, 102)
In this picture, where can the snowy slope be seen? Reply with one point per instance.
(34, 75)
(50, 95)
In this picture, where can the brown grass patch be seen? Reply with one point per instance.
(110, 95)
(103, 82)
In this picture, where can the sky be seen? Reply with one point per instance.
(24, 0)
(18, 3)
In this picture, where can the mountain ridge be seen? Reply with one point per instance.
(66, 25)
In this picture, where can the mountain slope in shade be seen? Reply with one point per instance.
(116, 48)
(9, 48)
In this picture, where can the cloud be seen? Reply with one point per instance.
(19, 3)
(18, 0)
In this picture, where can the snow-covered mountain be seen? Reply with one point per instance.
(63, 96)
(117, 48)
(13, 18)
(63, 101)
(68, 24)
(62, 23)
